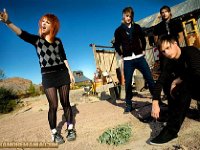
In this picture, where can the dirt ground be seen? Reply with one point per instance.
(92, 117)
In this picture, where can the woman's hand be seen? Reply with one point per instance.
(4, 19)
(4, 16)
(155, 112)
(72, 79)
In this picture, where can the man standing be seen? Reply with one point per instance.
(130, 44)
(167, 26)
(181, 79)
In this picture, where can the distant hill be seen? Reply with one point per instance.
(18, 85)
(80, 77)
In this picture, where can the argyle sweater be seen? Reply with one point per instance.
(51, 55)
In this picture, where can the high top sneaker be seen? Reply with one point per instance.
(71, 135)
(57, 138)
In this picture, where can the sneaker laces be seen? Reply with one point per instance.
(57, 138)
(71, 135)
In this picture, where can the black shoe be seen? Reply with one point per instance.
(57, 138)
(198, 108)
(164, 97)
(161, 104)
(128, 109)
(71, 136)
(164, 137)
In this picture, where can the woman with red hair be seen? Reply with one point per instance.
(55, 70)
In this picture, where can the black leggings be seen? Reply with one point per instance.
(51, 94)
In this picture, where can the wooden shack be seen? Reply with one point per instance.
(108, 61)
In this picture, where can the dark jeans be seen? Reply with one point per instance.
(178, 107)
(129, 67)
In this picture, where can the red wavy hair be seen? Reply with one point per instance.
(55, 25)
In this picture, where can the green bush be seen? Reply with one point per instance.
(32, 91)
(7, 100)
(116, 136)
(80, 85)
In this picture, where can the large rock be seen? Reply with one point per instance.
(17, 85)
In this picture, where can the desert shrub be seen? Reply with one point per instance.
(116, 136)
(80, 85)
(32, 91)
(2, 75)
(7, 100)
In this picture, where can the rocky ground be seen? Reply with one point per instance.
(94, 115)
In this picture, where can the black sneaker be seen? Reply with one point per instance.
(164, 137)
(71, 136)
(57, 138)
(161, 104)
(198, 108)
(128, 109)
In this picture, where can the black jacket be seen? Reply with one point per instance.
(174, 28)
(187, 67)
(130, 42)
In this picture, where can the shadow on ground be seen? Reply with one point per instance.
(63, 121)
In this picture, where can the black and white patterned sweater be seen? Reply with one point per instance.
(51, 55)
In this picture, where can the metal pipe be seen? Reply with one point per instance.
(100, 46)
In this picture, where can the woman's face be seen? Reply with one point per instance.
(46, 25)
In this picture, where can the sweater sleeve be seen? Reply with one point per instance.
(27, 37)
(62, 51)
(117, 42)
(142, 38)
(163, 78)
(155, 30)
(192, 63)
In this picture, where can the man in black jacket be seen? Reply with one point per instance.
(181, 79)
(130, 44)
(167, 27)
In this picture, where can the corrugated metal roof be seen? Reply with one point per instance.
(177, 10)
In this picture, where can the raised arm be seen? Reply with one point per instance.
(4, 18)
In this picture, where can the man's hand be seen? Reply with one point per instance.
(155, 112)
(144, 52)
(173, 85)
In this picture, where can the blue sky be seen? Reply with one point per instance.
(82, 22)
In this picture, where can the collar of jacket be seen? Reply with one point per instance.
(129, 31)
